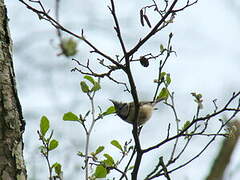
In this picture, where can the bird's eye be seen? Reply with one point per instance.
(122, 106)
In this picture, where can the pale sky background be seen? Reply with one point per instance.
(206, 38)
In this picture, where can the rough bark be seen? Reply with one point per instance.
(12, 166)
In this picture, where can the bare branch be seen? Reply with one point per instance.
(44, 15)
(198, 126)
(188, 4)
(117, 28)
(100, 75)
(162, 64)
(207, 117)
(154, 30)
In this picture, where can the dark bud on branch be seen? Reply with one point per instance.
(147, 20)
(144, 61)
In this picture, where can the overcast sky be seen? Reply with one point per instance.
(206, 39)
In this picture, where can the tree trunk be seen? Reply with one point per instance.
(224, 156)
(12, 165)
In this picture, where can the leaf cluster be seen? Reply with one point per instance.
(49, 144)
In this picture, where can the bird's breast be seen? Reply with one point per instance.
(145, 112)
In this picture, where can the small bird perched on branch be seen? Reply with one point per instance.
(126, 111)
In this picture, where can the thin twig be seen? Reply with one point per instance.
(117, 28)
(88, 133)
(44, 15)
(225, 108)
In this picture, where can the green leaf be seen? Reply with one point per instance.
(162, 75)
(99, 149)
(84, 87)
(44, 125)
(117, 145)
(58, 168)
(89, 78)
(109, 110)
(100, 172)
(53, 144)
(109, 160)
(96, 85)
(163, 94)
(69, 116)
(168, 79)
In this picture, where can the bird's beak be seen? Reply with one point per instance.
(114, 102)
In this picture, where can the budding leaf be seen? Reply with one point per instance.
(162, 75)
(199, 96)
(161, 48)
(80, 154)
(168, 79)
(44, 125)
(100, 172)
(53, 144)
(58, 168)
(186, 124)
(117, 145)
(43, 149)
(69, 47)
(198, 99)
(69, 116)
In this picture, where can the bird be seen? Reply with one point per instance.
(126, 111)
